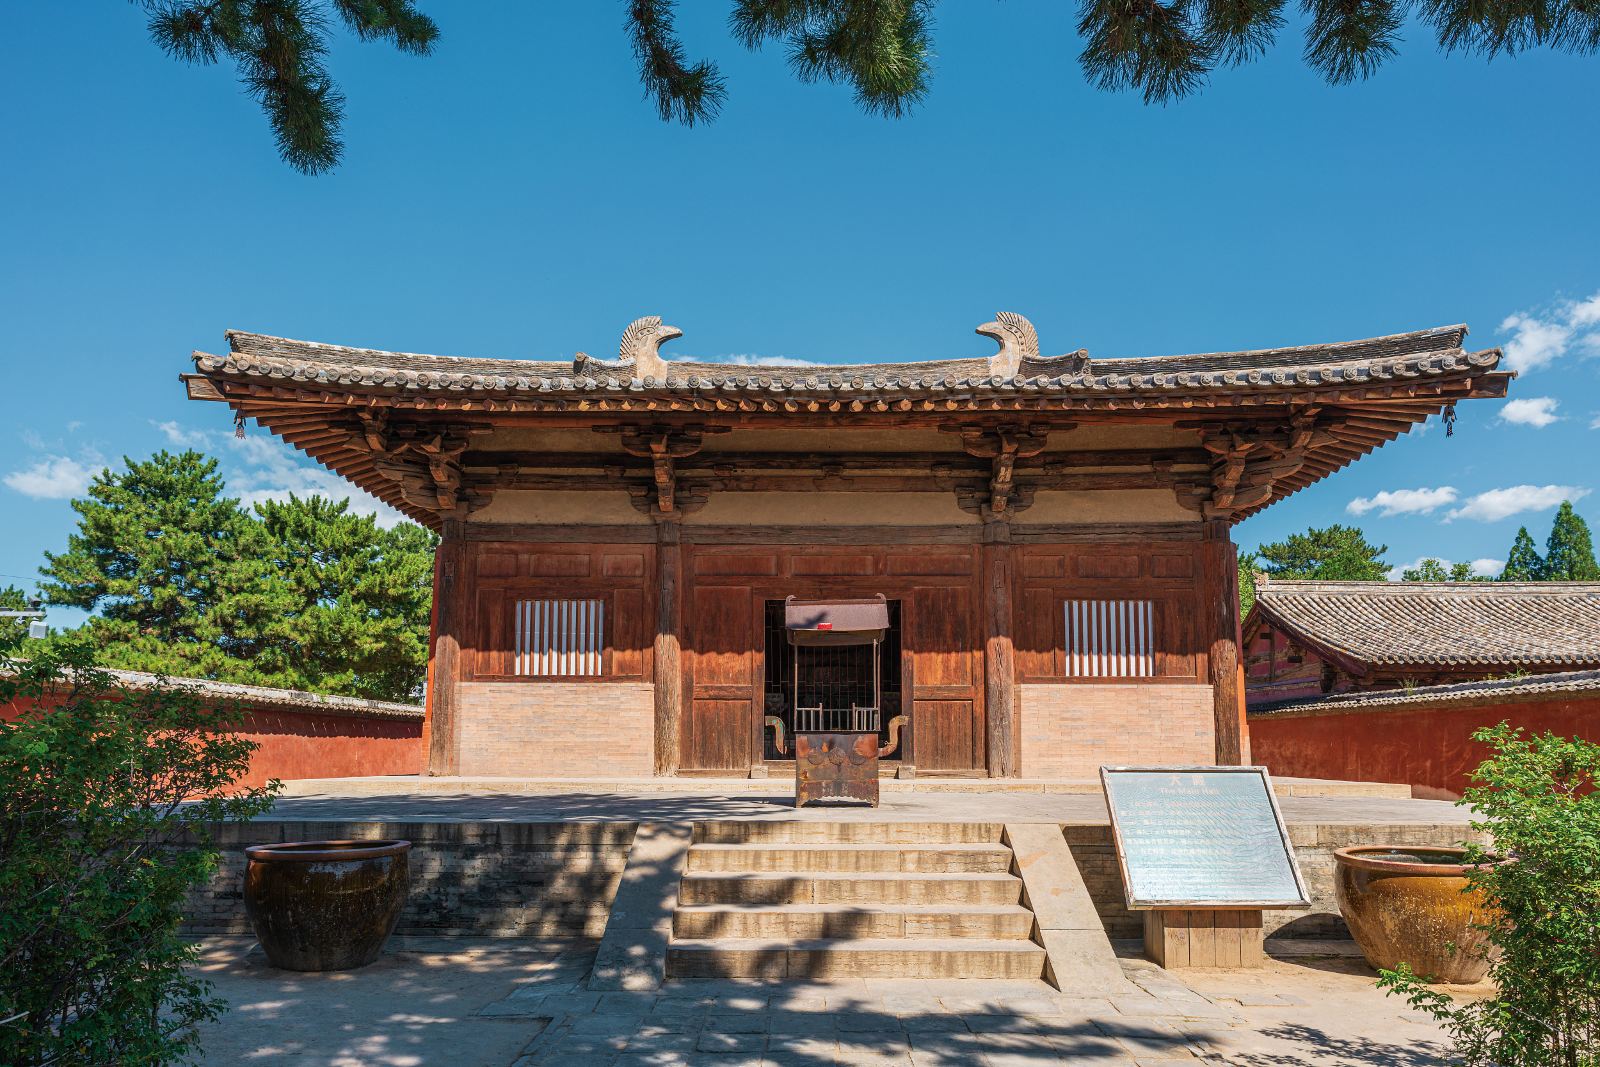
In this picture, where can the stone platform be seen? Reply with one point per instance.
(509, 864)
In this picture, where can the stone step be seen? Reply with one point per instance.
(840, 921)
(801, 887)
(870, 958)
(775, 831)
(939, 858)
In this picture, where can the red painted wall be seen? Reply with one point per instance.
(316, 744)
(1430, 749)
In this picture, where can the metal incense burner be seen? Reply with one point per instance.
(836, 750)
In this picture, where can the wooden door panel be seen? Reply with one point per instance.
(718, 737)
(941, 639)
(947, 737)
(719, 731)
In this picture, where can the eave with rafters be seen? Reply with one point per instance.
(412, 429)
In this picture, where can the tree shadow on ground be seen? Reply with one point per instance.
(1311, 1045)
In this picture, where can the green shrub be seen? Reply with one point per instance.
(1536, 798)
(105, 806)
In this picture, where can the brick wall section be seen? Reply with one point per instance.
(1070, 730)
(557, 729)
(490, 879)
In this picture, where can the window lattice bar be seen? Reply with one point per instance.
(1110, 638)
(558, 638)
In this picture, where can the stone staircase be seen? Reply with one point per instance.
(807, 899)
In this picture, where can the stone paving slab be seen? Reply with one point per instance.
(468, 1002)
(775, 803)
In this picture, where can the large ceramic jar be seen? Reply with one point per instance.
(1410, 904)
(325, 905)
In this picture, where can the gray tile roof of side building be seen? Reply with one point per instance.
(1513, 690)
(1397, 357)
(1392, 626)
(261, 696)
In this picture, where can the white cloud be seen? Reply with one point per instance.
(54, 478)
(1497, 504)
(1404, 501)
(1542, 337)
(1586, 312)
(745, 359)
(260, 467)
(1594, 423)
(182, 438)
(1481, 568)
(1538, 411)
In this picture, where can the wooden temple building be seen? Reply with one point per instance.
(1050, 534)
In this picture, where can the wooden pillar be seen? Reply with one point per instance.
(451, 591)
(1219, 626)
(668, 666)
(999, 658)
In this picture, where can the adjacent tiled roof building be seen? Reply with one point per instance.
(1308, 638)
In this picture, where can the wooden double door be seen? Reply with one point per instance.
(726, 592)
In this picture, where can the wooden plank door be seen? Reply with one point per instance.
(723, 682)
(941, 638)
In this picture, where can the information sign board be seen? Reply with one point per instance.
(1201, 837)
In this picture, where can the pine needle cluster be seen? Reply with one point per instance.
(1163, 49)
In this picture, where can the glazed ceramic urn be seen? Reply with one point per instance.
(1410, 904)
(325, 905)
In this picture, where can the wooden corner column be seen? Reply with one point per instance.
(668, 666)
(451, 593)
(1219, 620)
(999, 655)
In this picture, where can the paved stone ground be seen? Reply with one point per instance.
(465, 1002)
(927, 807)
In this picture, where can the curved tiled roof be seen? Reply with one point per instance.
(1391, 626)
(1456, 694)
(261, 696)
(1397, 357)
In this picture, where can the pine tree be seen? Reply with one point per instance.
(1247, 582)
(1523, 563)
(347, 601)
(1337, 553)
(157, 556)
(882, 49)
(1569, 553)
(299, 594)
(12, 599)
(1434, 570)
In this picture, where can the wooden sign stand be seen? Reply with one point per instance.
(1204, 937)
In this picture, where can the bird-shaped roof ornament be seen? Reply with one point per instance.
(1019, 345)
(639, 353)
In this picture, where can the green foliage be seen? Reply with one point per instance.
(882, 48)
(1247, 582)
(13, 599)
(1337, 553)
(346, 601)
(1523, 563)
(278, 47)
(1433, 570)
(300, 595)
(97, 850)
(1536, 798)
(1569, 553)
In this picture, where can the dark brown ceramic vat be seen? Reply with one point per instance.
(1409, 904)
(325, 905)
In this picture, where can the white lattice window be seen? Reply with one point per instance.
(1110, 638)
(560, 638)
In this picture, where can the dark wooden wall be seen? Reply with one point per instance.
(725, 586)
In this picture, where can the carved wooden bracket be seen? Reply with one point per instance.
(1002, 446)
(662, 446)
(423, 459)
(1248, 461)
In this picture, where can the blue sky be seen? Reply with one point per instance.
(513, 195)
